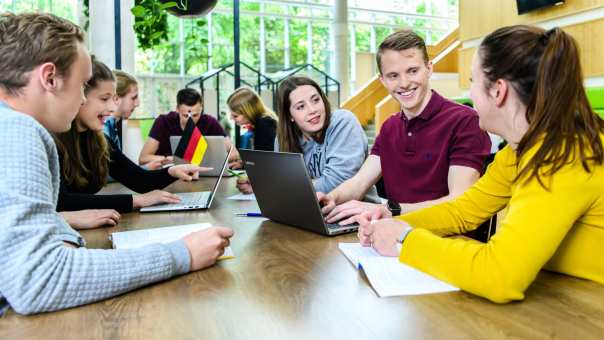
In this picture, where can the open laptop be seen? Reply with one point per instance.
(285, 193)
(192, 200)
(215, 154)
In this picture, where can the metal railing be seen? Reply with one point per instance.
(262, 82)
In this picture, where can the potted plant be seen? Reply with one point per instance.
(190, 8)
(151, 22)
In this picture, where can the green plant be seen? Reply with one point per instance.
(151, 22)
(86, 14)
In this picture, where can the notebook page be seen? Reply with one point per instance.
(388, 276)
(354, 251)
(139, 238)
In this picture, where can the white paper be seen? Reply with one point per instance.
(140, 238)
(242, 197)
(354, 251)
(388, 276)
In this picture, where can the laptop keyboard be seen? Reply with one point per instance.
(193, 198)
(338, 226)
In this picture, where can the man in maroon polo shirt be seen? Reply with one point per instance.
(188, 104)
(428, 153)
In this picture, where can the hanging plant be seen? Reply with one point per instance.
(86, 14)
(191, 8)
(151, 22)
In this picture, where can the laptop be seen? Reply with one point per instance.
(191, 200)
(215, 154)
(285, 193)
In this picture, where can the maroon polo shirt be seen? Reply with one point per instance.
(168, 125)
(416, 154)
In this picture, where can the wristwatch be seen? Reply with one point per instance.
(393, 207)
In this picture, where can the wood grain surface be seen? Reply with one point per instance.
(286, 283)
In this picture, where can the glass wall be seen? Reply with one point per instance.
(275, 35)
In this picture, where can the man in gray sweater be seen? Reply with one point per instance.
(43, 263)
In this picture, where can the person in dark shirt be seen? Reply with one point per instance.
(86, 157)
(248, 111)
(189, 104)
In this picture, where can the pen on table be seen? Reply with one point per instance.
(250, 214)
(236, 174)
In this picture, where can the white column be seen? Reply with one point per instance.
(342, 55)
(102, 31)
(128, 35)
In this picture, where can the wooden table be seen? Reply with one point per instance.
(286, 283)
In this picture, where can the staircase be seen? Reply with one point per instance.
(370, 133)
(371, 104)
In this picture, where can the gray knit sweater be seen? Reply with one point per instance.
(38, 272)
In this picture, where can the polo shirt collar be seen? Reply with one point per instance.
(434, 106)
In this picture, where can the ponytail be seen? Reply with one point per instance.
(545, 70)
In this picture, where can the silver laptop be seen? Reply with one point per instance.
(285, 193)
(191, 200)
(215, 154)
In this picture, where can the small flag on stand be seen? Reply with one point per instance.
(192, 146)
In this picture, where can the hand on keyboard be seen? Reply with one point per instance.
(152, 198)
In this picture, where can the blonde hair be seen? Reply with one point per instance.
(124, 82)
(246, 102)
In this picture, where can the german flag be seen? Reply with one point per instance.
(192, 146)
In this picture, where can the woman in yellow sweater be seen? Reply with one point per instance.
(527, 87)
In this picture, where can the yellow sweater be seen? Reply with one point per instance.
(561, 230)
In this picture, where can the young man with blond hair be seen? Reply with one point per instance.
(43, 261)
(429, 152)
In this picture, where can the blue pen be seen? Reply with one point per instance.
(250, 214)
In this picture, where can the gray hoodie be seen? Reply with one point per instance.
(341, 155)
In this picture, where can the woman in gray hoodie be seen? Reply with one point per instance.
(334, 144)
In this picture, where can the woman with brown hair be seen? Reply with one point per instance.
(87, 157)
(248, 110)
(527, 87)
(333, 143)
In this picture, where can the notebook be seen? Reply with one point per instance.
(388, 276)
(140, 238)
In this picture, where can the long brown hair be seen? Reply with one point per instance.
(544, 69)
(288, 132)
(246, 102)
(78, 149)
